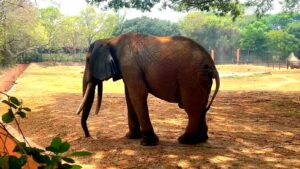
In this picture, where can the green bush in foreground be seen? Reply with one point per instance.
(53, 157)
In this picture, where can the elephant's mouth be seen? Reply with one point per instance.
(88, 97)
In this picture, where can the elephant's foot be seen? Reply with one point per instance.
(149, 139)
(136, 134)
(188, 138)
(86, 133)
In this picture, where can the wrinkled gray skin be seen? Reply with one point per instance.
(175, 69)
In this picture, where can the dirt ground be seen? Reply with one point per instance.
(257, 129)
(246, 130)
(8, 78)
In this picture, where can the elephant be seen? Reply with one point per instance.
(173, 68)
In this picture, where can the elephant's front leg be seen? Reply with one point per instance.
(138, 93)
(133, 122)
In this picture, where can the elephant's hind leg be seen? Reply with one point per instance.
(196, 131)
(195, 106)
(133, 122)
(193, 133)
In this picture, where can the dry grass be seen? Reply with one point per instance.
(40, 82)
(264, 79)
(257, 129)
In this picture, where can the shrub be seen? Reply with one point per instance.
(53, 157)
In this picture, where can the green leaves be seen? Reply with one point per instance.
(282, 42)
(8, 117)
(142, 25)
(15, 108)
(54, 158)
(36, 153)
(21, 114)
(9, 104)
(26, 109)
(68, 166)
(64, 147)
(69, 160)
(12, 162)
(15, 101)
(57, 146)
(81, 153)
(55, 143)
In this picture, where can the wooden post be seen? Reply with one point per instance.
(238, 55)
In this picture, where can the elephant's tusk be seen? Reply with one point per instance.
(99, 98)
(87, 91)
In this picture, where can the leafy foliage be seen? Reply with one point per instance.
(26, 32)
(259, 40)
(233, 7)
(147, 25)
(20, 30)
(294, 29)
(53, 157)
(50, 18)
(282, 42)
(96, 25)
(212, 32)
(253, 37)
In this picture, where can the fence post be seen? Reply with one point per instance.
(238, 56)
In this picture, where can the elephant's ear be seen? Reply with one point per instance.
(102, 64)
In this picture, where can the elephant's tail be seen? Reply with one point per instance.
(217, 78)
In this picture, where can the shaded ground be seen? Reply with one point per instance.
(257, 129)
(246, 129)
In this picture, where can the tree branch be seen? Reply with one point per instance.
(28, 49)
(15, 4)
(190, 2)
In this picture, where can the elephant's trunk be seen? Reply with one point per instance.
(99, 98)
(87, 89)
(87, 102)
(86, 106)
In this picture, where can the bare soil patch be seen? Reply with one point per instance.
(246, 130)
(9, 77)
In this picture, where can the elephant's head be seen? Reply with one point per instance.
(100, 65)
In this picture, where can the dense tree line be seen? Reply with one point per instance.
(270, 38)
(26, 31)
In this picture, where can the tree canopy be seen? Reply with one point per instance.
(147, 25)
(259, 40)
(219, 7)
(28, 32)
(20, 30)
